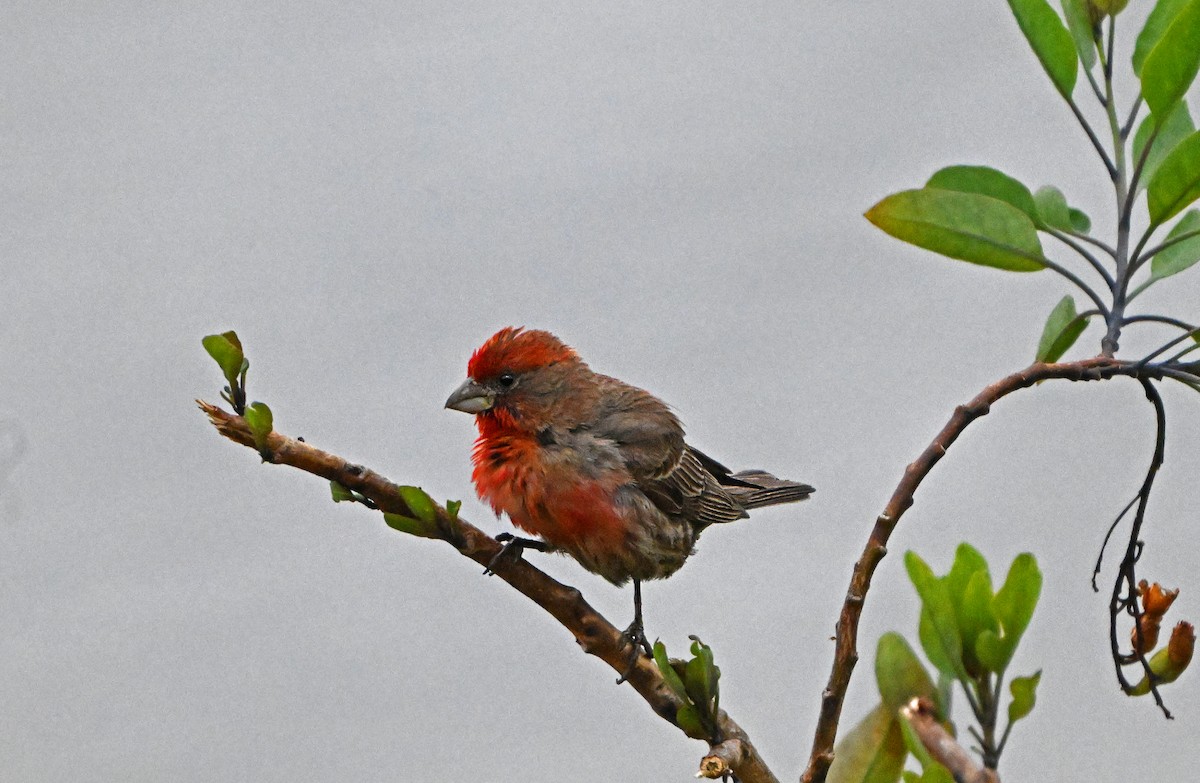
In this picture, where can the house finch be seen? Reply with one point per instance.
(595, 467)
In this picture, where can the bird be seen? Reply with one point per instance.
(595, 467)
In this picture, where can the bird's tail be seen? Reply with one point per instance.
(757, 488)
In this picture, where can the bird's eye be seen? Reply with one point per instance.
(507, 380)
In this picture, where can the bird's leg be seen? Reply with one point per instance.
(635, 634)
(513, 547)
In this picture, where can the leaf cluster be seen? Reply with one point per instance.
(969, 632)
(697, 684)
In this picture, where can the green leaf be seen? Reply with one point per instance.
(1171, 65)
(913, 744)
(1080, 222)
(1050, 40)
(1181, 255)
(927, 633)
(899, 672)
(410, 525)
(1157, 22)
(1024, 696)
(1062, 329)
(976, 616)
(261, 422)
(1176, 184)
(1175, 128)
(670, 676)
(967, 226)
(1052, 208)
(985, 181)
(935, 599)
(1013, 606)
(700, 678)
(688, 719)
(452, 507)
(420, 504)
(871, 752)
(1080, 24)
(340, 493)
(226, 350)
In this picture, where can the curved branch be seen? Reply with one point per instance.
(596, 635)
(1126, 573)
(846, 654)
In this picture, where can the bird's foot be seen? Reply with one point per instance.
(635, 637)
(513, 547)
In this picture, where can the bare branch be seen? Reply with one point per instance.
(596, 635)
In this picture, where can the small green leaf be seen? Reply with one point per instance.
(1176, 184)
(871, 752)
(701, 676)
(966, 226)
(260, 421)
(899, 673)
(670, 676)
(1157, 23)
(226, 350)
(1080, 222)
(975, 617)
(1013, 606)
(688, 718)
(1050, 40)
(414, 527)
(985, 181)
(935, 599)
(932, 645)
(1062, 330)
(1024, 696)
(340, 493)
(1181, 255)
(1052, 208)
(420, 504)
(452, 507)
(1175, 128)
(1080, 25)
(914, 745)
(1170, 67)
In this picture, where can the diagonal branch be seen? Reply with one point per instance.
(596, 635)
(845, 653)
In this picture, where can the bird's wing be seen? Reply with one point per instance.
(680, 481)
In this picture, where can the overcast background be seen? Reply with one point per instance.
(365, 192)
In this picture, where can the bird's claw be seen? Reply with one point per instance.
(635, 637)
(513, 547)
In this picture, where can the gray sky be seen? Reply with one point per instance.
(366, 191)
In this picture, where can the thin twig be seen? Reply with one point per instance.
(1067, 239)
(1138, 260)
(1069, 275)
(1133, 113)
(594, 634)
(1107, 536)
(1126, 573)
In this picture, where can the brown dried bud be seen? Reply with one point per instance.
(1155, 600)
(1181, 646)
(1150, 626)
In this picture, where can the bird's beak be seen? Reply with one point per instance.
(470, 398)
